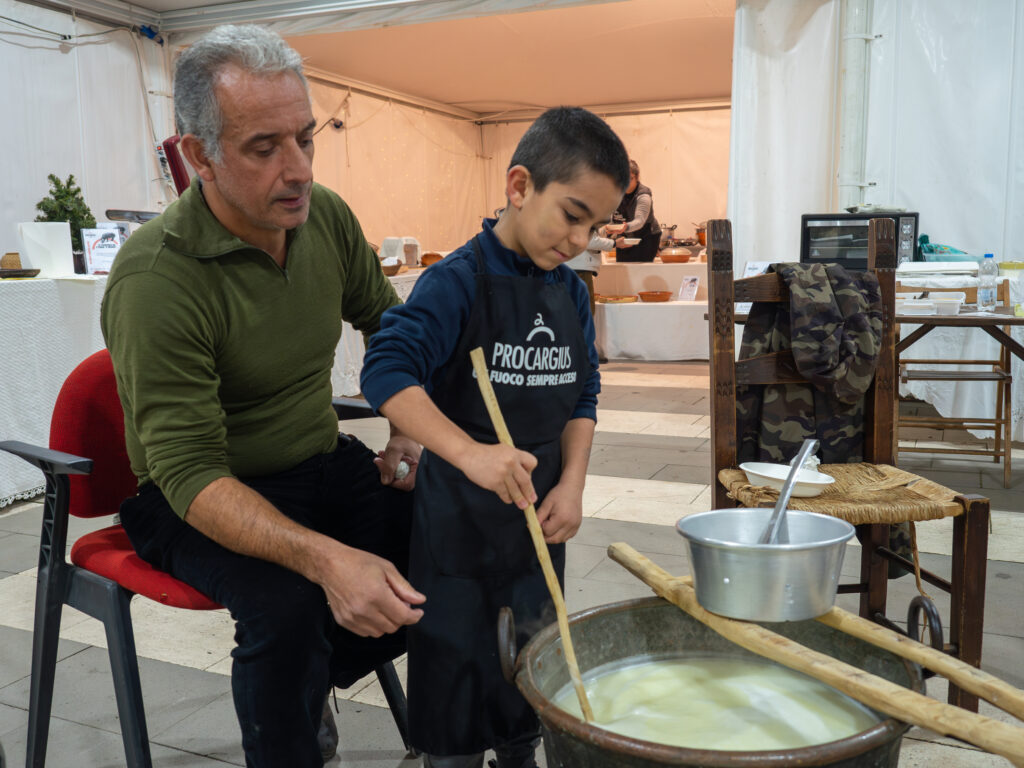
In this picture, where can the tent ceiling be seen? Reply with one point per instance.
(487, 57)
(636, 52)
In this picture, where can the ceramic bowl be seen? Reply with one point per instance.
(808, 482)
(674, 255)
(651, 296)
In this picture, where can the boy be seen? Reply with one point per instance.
(508, 291)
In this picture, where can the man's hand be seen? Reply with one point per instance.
(399, 448)
(367, 594)
(561, 513)
(502, 469)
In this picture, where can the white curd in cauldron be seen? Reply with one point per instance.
(703, 702)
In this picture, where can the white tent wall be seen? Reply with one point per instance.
(783, 103)
(683, 157)
(404, 171)
(77, 109)
(944, 122)
(945, 132)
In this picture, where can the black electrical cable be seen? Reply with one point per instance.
(331, 121)
(58, 35)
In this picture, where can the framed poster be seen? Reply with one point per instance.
(688, 288)
(101, 246)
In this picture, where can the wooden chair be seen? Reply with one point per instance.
(105, 573)
(995, 370)
(970, 513)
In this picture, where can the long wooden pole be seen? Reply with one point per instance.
(537, 535)
(894, 700)
(992, 689)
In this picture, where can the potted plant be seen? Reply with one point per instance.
(65, 203)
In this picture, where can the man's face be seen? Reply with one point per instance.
(556, 224)
(265, 172)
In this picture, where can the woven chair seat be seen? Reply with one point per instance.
(862, 493)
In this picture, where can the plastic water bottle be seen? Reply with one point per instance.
(988, 271)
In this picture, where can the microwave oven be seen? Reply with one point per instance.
(842, 238)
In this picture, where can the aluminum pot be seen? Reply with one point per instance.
(735, 576)
(652, 626)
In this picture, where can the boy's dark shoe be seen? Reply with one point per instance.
(327, 736)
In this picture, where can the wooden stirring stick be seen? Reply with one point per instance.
(883, 695)
(536, 534)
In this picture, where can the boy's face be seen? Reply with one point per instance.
(554, 225)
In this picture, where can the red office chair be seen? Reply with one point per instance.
(105, 573)
(175, 163)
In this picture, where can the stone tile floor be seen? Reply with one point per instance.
(650, 466)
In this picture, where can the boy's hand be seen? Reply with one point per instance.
(561, 513)
(399, 448)
(504, 470)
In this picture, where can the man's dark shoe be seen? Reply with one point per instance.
(327, 736)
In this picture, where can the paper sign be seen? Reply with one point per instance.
(101, 246)
(752, 269)
(46, 246)
(688, 288)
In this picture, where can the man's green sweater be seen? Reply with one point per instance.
(223, 358)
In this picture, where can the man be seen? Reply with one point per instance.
(222, 316)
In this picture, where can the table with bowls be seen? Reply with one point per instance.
(661, 328)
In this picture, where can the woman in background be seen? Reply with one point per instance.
(637, 211)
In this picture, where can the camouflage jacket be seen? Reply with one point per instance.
(834, 328)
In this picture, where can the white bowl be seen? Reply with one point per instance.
(630, 241)
(808, 482)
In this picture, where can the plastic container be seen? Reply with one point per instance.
(988, 271)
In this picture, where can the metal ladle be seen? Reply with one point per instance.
(778, 518)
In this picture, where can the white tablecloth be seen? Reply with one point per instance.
(625, 279)
(348, 360)
(671, 330)
(965, 398)
(48, 327)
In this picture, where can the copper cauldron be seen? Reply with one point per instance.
(652, 626)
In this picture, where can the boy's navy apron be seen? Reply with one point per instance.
(471, 553)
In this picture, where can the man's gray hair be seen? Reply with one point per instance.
(250, 47)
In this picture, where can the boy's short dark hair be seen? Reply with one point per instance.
(565, 139)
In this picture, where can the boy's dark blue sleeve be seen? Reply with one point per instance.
(418, 337)
(586, 406)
